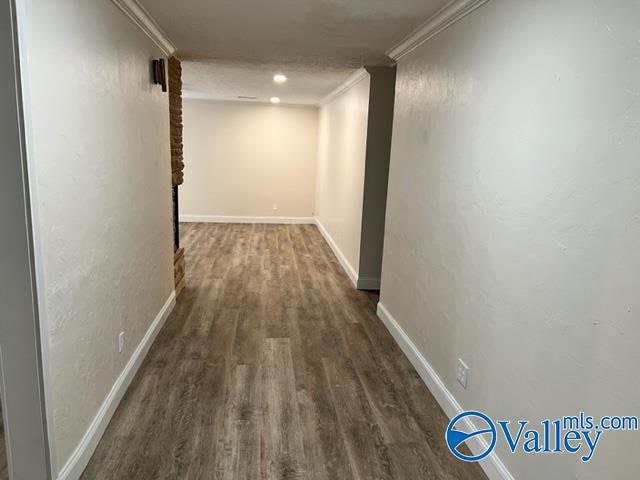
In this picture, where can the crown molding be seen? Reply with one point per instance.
(353, 79)
(445, 17)
(147, 24)
(194, 97)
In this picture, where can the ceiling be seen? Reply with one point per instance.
(231, 48)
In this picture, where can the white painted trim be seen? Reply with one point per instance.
(348, 268)
(353, 80)
(445, 17)
(80, 457)
(492, 465)
(147, 24)
(242, 219)
(368, 283)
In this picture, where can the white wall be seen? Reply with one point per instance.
(241, 159)
(513, 224)
(342, 142)
(98, 151)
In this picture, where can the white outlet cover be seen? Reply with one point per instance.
(462, 373)
(121, 342)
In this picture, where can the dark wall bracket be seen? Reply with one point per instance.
(159, 75)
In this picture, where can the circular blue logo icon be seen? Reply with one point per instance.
(458, 432)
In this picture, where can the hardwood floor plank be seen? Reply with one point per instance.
(323, 441)
(411, 461)
(247, 344)
(240, 451)
(390, 412)
(282, 447)
(362, 437)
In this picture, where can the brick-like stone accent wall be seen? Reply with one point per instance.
(175, 120)
(177, 163)
(180, 280)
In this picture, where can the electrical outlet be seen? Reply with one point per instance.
(121, 342)
(275, 206)
(462, 373)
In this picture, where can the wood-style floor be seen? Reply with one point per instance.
(272, 366)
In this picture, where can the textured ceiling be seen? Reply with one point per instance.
(233, 47)
(223, 80)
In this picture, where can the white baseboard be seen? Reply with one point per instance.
(368, 283)
(80, 457)
(348, 268)
(241, 219)
(492, 465)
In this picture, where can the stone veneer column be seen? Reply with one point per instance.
(177, 164)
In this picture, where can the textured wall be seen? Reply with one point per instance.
(243, 158)
(99, 153)
(513, 222)
(342, 142)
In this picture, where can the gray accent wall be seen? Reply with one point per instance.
(376, 174)
(20, 359)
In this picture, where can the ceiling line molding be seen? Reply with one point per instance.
(189, 97)
(147, 24)
(444, 18)
(353, 79)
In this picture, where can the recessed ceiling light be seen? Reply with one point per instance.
(275, 100)
(279, 78)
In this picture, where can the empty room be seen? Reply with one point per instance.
(319, 240)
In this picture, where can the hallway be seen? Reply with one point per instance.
(273, 366)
